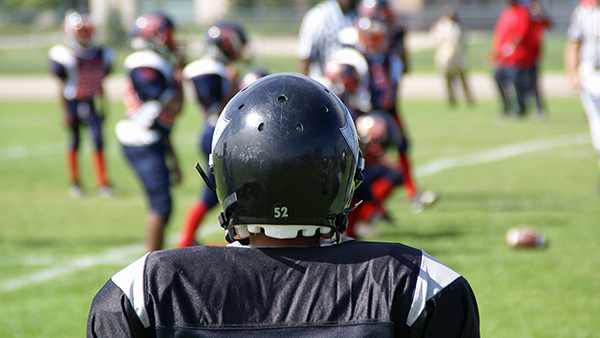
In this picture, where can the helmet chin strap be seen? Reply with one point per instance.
(229, 205)
(208, 183)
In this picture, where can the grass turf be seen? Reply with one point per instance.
(56, 252)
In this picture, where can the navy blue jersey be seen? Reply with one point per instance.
(352, 289)
(81, 70)
(213, 88)
(150, 87)
(385, 72)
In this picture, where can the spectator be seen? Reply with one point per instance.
(450, 55)
(508, 55)
(539, 23)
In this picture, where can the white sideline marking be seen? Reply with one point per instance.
(504, 152)
(80, 263)
(121, 254)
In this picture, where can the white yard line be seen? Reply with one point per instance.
(129, 253)
(501, 153)
(122, 254)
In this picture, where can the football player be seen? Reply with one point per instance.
(81, 66)
(215, 77)
(347, 74)
(386, 68)
(153, 99)
(286, 162)
(377, 132)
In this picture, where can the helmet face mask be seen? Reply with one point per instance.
(285, 153)
(156, 29)
(373, 36)
(79, 28)
(230, 39)
(344, 77)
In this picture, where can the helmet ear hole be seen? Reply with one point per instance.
(299, 127)
(261, 127)
(282, 98)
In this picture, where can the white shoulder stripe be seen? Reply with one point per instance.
(146, 58)
(433, 277)
(131, 281)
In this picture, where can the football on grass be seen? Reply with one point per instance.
(525, 237)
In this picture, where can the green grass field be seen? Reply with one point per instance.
(56, 252)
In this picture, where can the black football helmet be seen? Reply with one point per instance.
(285, 153)
(154, 31)
(230, 40)
(79, 29)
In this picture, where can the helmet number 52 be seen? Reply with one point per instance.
(280, 212)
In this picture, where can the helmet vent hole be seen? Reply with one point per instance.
(327, 90)
(325, 109)
(282, 98)
(299, 127)
(241, 106)
(261, 126)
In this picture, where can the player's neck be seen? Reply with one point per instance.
(264, 241)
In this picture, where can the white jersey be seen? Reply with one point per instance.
(318, 34)
(449, 42)
(585, 28)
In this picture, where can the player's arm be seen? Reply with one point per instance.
(571, 62)
(172, 161)
(57, 56)
(118, 309)
(213, 92)
(175, 104)
(443, 304)
(452, 312)
(308, 39)
(112, 315)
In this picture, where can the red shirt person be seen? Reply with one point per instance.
(509, 54)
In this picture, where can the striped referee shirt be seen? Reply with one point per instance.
(318, 34)
(585, 27)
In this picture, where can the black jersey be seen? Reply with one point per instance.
(352, 289)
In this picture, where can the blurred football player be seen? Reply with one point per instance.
(377, 132)
(82, 66)
(347, 74)
(215, 77)
(153, 99)
(252, 75)
(286, 160)
(382, 10)
(385, 72)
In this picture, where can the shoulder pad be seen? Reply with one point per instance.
(204, 66)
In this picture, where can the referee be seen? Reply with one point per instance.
(318, 33)
(582, 63)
